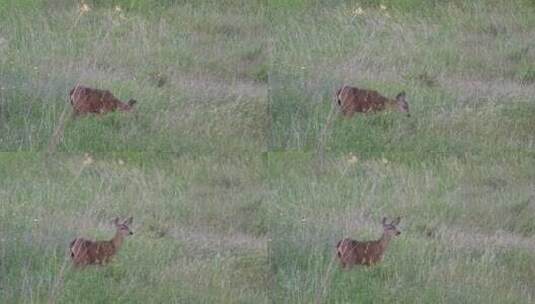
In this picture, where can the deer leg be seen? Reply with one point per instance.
(75, 114)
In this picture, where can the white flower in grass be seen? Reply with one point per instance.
(121, 162)
(353, 159)
(385, 161)
(118, 8)
(382, 7)
(88, 160)
(358, 11)
(84, 8)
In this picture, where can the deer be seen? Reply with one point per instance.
(352, 252)
(353, 100)
(86, 100)
(86, 252)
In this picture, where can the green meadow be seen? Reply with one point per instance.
(199, 228)
(467, 68)
(460, 172)
(185, 164)
(197, 70)
(239, 171)
(467, 228)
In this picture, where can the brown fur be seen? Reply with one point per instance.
(87, 252)
(352, 252)
(352, 100)
(86, 100)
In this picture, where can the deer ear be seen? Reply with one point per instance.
(132, 102)
(400, 97)
(384, 221)
(396, 221)
(129, 221)
(116, 221)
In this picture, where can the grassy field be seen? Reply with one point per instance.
(199, 228)
(459, 172)
(239, 173)
(467, 229)
(186, 164)
(197, 70)
(468, 70)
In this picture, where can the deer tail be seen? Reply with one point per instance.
(338, 95)
(71, 247)
(338, 100)
(338, 249)
(70, 94)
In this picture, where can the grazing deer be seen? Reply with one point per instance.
(352, 100)
(351, 252)
(86, 100)
(87, 252)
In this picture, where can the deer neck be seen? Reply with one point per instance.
(391, 105)
(384, 241)
(117, 240)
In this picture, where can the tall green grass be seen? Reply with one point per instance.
(459, 172)
(199, 228)
(196, 68)
(467, 229)
(185, 164)
(240, 174)
(463, 65)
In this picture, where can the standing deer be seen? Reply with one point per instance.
(352, 100)
(352, 252)
(86, 100)
(87, 252)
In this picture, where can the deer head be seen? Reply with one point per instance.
(390, 230)
(403, 105)
(123, 228)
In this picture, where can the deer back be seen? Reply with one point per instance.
(88, 100)
(352, 252)
(352, 100)
(86, 252)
